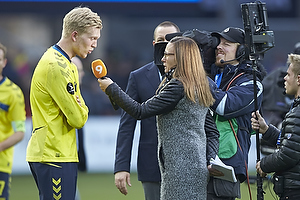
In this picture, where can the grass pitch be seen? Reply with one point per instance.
(101, 186)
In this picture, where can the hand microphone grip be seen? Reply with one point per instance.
(99, 70)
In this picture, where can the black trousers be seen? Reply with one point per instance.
(290, 194)
(217, 187)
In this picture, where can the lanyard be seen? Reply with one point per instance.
(278, 140)
(218, 79)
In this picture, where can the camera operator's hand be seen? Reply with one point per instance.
(259, 170)
(258, 122)
(206, 43)
(214, 172)
(202, 38)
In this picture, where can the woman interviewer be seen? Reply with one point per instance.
(181, 104)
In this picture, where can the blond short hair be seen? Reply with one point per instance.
(295, 60)
(4, 49)
(80, 19)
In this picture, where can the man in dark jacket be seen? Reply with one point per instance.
(142, 84)
(285, 161)
(234, 94)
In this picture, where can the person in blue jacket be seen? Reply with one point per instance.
(234, 95)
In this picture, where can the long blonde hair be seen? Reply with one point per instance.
(190, 71)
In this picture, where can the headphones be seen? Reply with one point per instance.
(240, 52)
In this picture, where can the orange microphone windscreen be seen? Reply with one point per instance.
(98, 68)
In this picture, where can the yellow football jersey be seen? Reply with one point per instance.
(12, 109)
(55, 110)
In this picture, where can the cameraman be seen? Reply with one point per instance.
(285, 161)
(232, 110)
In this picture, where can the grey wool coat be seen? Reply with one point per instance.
(181, 137)
(182, 152)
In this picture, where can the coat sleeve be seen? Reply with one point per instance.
(288, 154)
(161, 103)
(64, 90)
(271, 135)
(238, 99)
(212, 137)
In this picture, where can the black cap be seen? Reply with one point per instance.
(232, 34)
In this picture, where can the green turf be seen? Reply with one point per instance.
(102, 187)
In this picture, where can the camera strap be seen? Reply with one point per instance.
(235, 135)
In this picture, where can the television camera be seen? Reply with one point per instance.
(258, 37)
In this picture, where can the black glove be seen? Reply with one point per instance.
(202, 38)
(206, 43)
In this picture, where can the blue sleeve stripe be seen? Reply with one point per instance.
(4, 107)
(259, 85)
(221, 106)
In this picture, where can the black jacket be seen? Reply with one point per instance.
(285, 161)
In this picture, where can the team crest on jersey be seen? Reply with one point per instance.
(70, 88)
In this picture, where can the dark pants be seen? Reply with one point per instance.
(151, 190)
(55, 180)
(4, 185)
(290, 194)
(222, 190)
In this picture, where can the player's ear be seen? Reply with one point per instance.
(74, 36)
(5, 62)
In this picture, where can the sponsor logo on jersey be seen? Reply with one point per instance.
(70, 88)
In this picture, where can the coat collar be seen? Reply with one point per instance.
(153, 75)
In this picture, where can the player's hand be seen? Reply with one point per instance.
(121, 178)
(104, 83)
(78, 100)
(214, 172)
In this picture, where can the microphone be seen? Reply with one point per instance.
(99, 70)
(223, 61)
